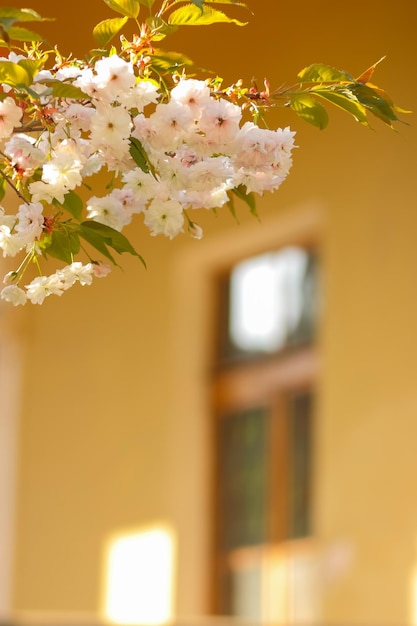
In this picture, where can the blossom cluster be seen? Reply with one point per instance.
(167, 151)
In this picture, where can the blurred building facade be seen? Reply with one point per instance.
(106, 404)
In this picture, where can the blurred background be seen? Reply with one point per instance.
(232, 432)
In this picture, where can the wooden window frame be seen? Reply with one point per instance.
(261, 380)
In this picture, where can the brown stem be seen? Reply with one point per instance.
(15, 189)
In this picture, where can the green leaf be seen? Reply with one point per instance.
(65, 244)
(113, 238)
(191, 15)
(96, 240)
(234, 2)
(65, 90)
(73, 204)
(169, 61)
(310, 110)
(23, 34)
(318, 73)
(374, 102)
(107, 236)
(21, 15)
(163, 29)
(248, 198)
(231, 207)
(105, 31)
(346, 101)
(13, 74)
(32, 66)
(200, 3)
(147, 3)
(2, 188)
(128, 8)
(4, 37)
(138, 154)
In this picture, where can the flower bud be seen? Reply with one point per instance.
(195, 230)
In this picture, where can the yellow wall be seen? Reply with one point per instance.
(113, 426)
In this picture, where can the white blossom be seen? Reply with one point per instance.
(30, 221)
(259, 181)
(197, 148)
(63, 170)
(164, 217)
(141, 183)
(7, 220)
(78, 116)
(44, 286)
(110, 128)
(259, 147)
(140, 95)
(87, 83)
(41, 190)
(169, 125)
(109, 211)
(220, 121)
(113, 76)
(76, 272)
(24, 155)
(13, 294)
(10, 243)
(131, 203)
(193, 93)
(207, 183)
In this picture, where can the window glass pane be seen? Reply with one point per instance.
(300, 423)
(272, 302)
(242, 483)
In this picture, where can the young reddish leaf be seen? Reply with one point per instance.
(366, 76)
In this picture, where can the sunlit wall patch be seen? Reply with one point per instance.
(139, 576)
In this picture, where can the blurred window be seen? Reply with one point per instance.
(264, 401)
